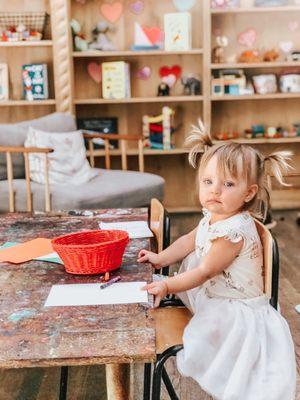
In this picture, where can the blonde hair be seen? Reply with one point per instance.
(240, 160)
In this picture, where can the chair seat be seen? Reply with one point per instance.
(110, 189)
(169, 326)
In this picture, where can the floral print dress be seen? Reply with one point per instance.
(236, 346)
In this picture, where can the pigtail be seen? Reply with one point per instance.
(279, 164)
(198, 139)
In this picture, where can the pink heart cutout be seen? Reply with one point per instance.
(112, 12)
(95, 71)
(293, 26)
(153, 34)
(170, 80)
(144, 73)
(247, 38)
(137, 7)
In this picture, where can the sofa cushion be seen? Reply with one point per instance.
(15, 135)
(109, 189)
(67, 163)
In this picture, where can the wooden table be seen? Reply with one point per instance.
(34, 336)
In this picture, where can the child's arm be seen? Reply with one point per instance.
(221, 254)
(176, 252)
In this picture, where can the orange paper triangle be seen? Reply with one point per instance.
(26, 251)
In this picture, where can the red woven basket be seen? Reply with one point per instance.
(91, 252)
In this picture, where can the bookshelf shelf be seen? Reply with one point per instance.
(271, 96)
(275, 64)
(130, 53)
(12, 103)
(158, 99)
(40, 43)
(265, 140)
(147, 152)
(246, 10)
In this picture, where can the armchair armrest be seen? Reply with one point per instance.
(19, 149)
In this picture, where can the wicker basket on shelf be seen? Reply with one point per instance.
(33, 21)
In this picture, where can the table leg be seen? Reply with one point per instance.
(118, 381)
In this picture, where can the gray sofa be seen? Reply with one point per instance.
(109, 189)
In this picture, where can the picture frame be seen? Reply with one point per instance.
(4, 91)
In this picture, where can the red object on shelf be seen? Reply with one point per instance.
(91, 252)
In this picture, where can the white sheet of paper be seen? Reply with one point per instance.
(87, 294)
(135, 229)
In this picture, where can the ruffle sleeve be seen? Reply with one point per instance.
(235, 235)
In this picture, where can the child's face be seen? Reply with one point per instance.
(223, 196)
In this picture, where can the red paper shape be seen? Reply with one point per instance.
(174, 70)
(153, 33)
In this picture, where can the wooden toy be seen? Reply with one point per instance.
(219, 50)
(157, 129)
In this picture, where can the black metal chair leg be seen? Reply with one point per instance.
(158, 369)
(147, 381)
(168, 385)
(63, 383)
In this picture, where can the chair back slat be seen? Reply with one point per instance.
(28, 186)
(123, 155)
(47, 189)
(10, 177)
(267, 244)
(157, 222)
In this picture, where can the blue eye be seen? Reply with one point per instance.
(207, 181)
(228, 184)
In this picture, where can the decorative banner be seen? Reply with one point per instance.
(184, 5)
(112, 12)
(137, 7)
(170, 75)
(247, 38)
(144, 73)
(293, 26)
(286, 47)
(95, 71)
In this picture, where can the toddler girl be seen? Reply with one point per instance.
(236, 346)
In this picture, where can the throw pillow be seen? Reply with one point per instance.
(67, 163)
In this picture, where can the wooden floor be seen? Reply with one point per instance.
(88, 383)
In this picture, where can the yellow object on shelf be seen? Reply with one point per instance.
(115, 80)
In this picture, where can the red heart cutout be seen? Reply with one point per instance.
(153, 34)
(174, 70)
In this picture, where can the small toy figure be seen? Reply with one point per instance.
(79, 41)
(219, 50)
(249, 56)
(100, 39)
(163, 89)
(191, 84)
(270, 55)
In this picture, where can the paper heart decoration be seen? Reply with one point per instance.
(170, 80)
(286, 47)
(174, 70)
(144, 73)
(111, 12)
(95, 71)
(154, 34)
(184, 5)
(137, 7)
(293, 26)
(247, 38)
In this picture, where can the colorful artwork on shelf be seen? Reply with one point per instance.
(144, 73)
(158, 129)
(177, 28)
(147, 38)
(4, 89)
(136, 7)
(184, 5)
(35, 81)
(95, 71)
(112, 12)
(247, 38)
(115, 80)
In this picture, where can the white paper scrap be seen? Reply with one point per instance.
(135, 229)
(87, 294)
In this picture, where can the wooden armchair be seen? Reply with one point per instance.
(10, 176)
(123, 144)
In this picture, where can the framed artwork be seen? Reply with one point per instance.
(3, 82)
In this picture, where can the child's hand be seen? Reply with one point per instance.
(159, 289)
(150, 257)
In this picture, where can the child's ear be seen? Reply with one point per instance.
(251, 192)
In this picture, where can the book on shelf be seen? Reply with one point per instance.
(35, 82)
(4, 90)
(115, 80)
(177, 28)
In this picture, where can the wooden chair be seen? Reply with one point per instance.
(10, 175)
(123, 144)
(170, 322)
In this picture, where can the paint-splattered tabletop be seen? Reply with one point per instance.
(34, 335)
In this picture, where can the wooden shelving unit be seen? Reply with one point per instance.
(270, 96)
(130, 53)
(256, 10)
(15, 54)
(158, 99)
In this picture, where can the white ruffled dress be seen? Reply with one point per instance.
(236, 346)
